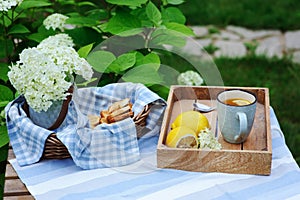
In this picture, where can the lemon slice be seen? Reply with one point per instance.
(182, 137)
(241, 102)
(192, 119)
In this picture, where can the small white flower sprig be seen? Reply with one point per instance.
(6, 5)
(43, 73)
(190, 78)
(55, 21)
(208, 141)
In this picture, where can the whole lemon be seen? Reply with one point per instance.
(182, 137)
(192, 119)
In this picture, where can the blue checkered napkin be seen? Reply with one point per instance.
(108, 145)
(26, 138)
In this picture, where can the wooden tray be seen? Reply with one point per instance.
(254, 156)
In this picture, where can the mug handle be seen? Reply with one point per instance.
(243, 124)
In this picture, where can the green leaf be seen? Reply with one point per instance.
(66, 2)
(168, 39)
(38, 37)
(41, 34)
(3, 72)
(100, 60)
(131, 3)
(151, 58)
(165, 36)
(180, 28)
(87, 3)
(98, 14)
(122, 22)
(161, 90)
(6, 19)
(173, 14)
(81, 21)
(33, 4)
(175, 2)
(122, 63)
(6, 93)
(145, 74)
(3, 103)
(153, 13)
(165, 2)
(85, 50)
(138, 57)
(18, 28)
(142, 16)
(131, 32)
(5, 44)
(42, 29)
(84, 35)
(4, 139)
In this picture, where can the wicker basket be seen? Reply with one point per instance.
(55, 149)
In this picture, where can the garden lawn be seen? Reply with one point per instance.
(254, 14)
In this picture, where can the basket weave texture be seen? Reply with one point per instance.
(55, 149)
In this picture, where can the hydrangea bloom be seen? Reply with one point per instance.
(42, 74)
(5, 5)
(57, 40)
(55, 21)
(189, 78)
(208, 141)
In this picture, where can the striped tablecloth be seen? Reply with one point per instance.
(61, 179)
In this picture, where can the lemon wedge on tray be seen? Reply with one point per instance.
(192, 119)
(182, 137)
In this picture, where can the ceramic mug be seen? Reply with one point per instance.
(236, 112)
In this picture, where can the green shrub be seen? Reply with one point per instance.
(118, 38)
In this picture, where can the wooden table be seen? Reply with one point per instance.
(14, 188)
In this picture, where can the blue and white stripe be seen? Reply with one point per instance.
(61, 179)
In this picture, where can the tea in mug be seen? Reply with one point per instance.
(237, 102)
(236, 111)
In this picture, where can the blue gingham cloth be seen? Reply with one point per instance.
(107, 145)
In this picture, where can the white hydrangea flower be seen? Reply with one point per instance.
(84, 69)
(42, 72)
(55, 21)
(5, 5)
(190, 78)
(208, 141)
(62, 39)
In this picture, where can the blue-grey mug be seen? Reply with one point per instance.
(236, 111)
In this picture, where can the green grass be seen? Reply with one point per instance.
(280, 76)
(254, 14)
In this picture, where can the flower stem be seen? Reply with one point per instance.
(84, 84)
(6, 59)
